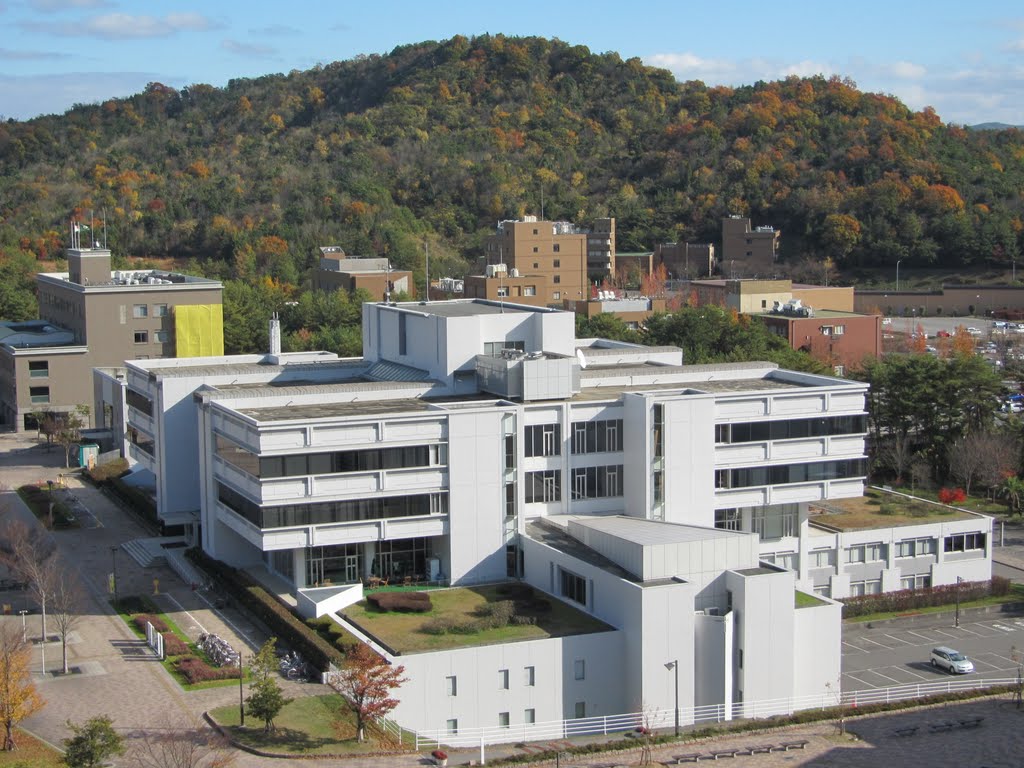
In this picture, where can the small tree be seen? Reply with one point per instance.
(1012, 490)
(366, 682)
(93, 743)
(65, 601)
(265, 699)
(31, 556)
(69, 430)
(18, 695)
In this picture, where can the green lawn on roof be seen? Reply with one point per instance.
(403, 631)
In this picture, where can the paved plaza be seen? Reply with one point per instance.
(115, 674)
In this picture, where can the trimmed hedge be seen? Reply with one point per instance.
(143, 618)
(408, 602)
(140, 501)
(102, 473)
(195, 670)
(174, 645)
(910, 599)
(279, 618)
(334, 633)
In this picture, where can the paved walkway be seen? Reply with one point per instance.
(115, 674)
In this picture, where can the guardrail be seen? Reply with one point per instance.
(665, 718)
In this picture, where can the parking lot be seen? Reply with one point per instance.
(899, 655)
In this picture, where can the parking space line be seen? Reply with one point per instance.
(869, 640)
(899, 640)
(918, 675)
(856, 648)
(859, 680)
(1004, 628)
(875, 671)
(947, 634)
(918, 634)
(1011, 662)
(970, 631)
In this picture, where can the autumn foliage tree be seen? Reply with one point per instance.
(18, 695)
(366, 683)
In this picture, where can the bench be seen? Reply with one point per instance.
(723, 753)
(971, 722)
(799, 744)
(762, 749)
(691, 758)
(940, 727)
(910, 730)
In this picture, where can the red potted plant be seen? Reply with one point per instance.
(440, 757)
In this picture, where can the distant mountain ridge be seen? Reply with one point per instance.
(437, 141)
(993, 126)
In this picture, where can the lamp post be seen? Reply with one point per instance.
(674, 666)
(898, 275)
(241, 699)
(113, 561)
(24, 627)
(959, 579)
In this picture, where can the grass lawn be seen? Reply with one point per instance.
(878, 509)
(31, 753)
(1015, 595)
(804, 600)
(314, 725)
(973, 503)
(402, 631)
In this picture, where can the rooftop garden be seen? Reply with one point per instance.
(458, 618)
(807, 600)
(880, 509)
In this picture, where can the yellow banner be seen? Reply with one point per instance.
(199, 330)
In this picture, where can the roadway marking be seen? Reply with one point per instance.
(869, 640)
(859, 680)
(965, 629)
(856, 648)
(1005, 629)
(918, 634)
(947, 634)
(876, 672)
(915, 674)
(899, 640)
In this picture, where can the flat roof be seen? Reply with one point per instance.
(465, 307)
(650, 532)
(819, 314)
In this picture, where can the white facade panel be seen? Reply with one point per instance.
(804, 405)
(794, 450)
(340, 435)
(741, 410)
(740, 453)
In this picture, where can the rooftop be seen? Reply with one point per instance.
(465, 307)
(650, 532)
(880, 509)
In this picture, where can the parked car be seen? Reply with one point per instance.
(952, 661)
(943, 334)
(974, 331)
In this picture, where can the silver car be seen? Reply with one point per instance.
(952, 661)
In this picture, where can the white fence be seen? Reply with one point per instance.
(665, 718)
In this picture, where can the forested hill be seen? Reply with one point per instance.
(438, 141)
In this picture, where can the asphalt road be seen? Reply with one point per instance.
(892, 655)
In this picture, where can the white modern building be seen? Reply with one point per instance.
(478, 442)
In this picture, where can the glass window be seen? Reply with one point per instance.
(452, 726)
(141, 337)
(581, 709)
(855, 554)
(503, 679)
(162, 336)
(543, 486)
(39, 394)
(529, 716)
(140, 311)
(160, 310)
(38, 369)
(579, 669)
(529, 676)
(574, 587)
(544, 440)
(451, 685)
(728, 519)
(503, 720)
(556, 295)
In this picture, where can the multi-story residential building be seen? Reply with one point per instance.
(478, 442)
(542, 263)
(684, 261)
(374, 275)
(748, 252)
(92, 316)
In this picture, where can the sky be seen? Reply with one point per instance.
(964, 60)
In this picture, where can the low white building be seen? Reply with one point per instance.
(477, 442)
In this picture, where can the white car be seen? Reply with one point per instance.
(952, 661)
(974, 331)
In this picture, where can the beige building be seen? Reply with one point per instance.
(950, 301)
(543, 263)
(686, 260)
(373, 274)
(748, 252)
(92, 316)
(754, 296)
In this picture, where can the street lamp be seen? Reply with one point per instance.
(241, 699)
(113, 560)
(959, 580)
(898, 275)
(24, 628)
(674, 666)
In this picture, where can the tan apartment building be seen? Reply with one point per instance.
(748, 252)
(634, 312)
(754, 296)
(949, 301)
(547, 262)
(349, 273)
(92, 316)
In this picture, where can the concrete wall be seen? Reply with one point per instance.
(817, 649)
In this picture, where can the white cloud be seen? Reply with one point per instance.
(7, 54)
(276, 30)
(1016, 46)
(37, 95)
(905, 70)
(123, 26)
(689, 66)
(247, 49)
(56, 6)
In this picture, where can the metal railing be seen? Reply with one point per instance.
(665, 718)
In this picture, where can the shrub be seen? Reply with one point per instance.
(496, 614)
(174, 645)
(132, 604)
(409, 602)
(440, 625)
(910, 599)
(195, 670)
(520, 620)
(952, 495)
(107, 471)
(143, 618)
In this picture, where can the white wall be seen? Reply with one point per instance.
(425, 704)
(712, 660)
(690, 461)
(817, 649)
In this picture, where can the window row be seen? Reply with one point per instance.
(758, 431)
(142, 441)
(138, 401)
(596, 482)
(867, 587)
(962, 542)
(597, 436)
(142, 310)
(790, 473)
(142, 337)
(329, 463)
(528, 678)
(379, 508)
(915, 547)
(865, 553)
(504, 720)
(920, 581)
